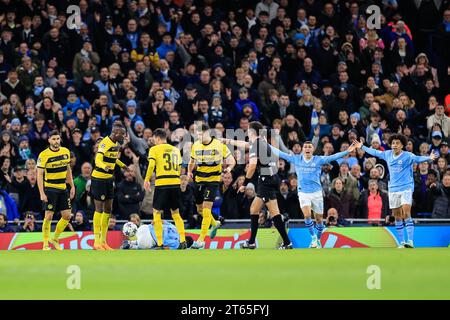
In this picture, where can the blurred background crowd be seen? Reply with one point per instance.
(309, 69)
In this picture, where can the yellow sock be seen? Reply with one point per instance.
(62, 224)
(157, 225)
(97, 228)
(206, 222)
(179, 223)
(104, 227)
(213, 221)
(46, 226)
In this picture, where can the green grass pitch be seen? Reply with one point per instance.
(227, 274)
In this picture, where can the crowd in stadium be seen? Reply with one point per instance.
(309, 69)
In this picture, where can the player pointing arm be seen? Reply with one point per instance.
(308, 169)
(401, 183)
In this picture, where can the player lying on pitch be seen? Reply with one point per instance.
(146, 237)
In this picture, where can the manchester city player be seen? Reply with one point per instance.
(146, 238)
(308, 168)
(401, 183)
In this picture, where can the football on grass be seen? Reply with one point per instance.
(129, 229)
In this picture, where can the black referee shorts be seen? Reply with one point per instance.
(57, 200)
(102, 189)
(166, 198)
(268, 187)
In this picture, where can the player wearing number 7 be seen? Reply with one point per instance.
(165, 160)
(207, 157)
(401, 182)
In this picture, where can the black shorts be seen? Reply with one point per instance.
(268, 187)
(166, 198)
(205, 192)
(102, 189)
(58, 200)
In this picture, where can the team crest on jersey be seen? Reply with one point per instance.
(400, 162)
(103, 146)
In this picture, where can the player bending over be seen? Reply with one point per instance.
(401, 183)
(146, 238)
(308, 168)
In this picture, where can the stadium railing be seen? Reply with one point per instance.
(351, 221)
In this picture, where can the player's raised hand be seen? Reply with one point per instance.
(433, 156)
(147, 186)
(358, 144)
(190, 176)
(353, 146)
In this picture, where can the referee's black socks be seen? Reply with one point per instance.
(279, 224)
(253, 227)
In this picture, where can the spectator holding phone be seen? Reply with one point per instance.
(30, 224)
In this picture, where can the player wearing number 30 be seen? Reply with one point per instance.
(165, 159)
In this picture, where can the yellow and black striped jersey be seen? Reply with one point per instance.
(107, 155)
(165, 160)
(209, 159)
(55, 164)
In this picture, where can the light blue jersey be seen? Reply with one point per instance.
(350, 160)
(401, 176)
(308, 172)
(171, 237)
